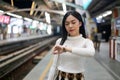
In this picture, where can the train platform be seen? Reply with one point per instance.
(99, 67)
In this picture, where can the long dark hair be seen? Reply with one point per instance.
(81, 29)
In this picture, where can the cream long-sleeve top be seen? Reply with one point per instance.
(72, 62)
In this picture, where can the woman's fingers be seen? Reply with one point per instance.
(58, 49)
(55, 52)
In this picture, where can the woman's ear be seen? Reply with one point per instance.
(80, 23)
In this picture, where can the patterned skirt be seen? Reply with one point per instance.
(69, 76)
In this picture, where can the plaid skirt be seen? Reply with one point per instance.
(69, 76)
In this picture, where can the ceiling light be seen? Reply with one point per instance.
(28, 19)
(14, 15)
(64, 7)
(1, 12)
(47, 16)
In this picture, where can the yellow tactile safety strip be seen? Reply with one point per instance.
(42, 77)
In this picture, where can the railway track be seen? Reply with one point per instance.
(15, 59)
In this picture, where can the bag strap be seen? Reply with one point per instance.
(57, 62)
(58, 56)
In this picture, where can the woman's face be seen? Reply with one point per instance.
(72, 25)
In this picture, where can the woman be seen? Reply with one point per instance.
(72, 48)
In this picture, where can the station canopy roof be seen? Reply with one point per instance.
(36, 8)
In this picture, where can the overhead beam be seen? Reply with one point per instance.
(56, 5)
(36, 11)
(94, 6)
(32, 8)
(12, 3)
(46, 2)
(69, 4)
(108, 7)
(42, 10)
(41, 14)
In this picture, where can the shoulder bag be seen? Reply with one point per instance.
(56, 69)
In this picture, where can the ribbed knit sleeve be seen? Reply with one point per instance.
(87, 50)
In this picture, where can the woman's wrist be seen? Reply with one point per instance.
(64, 49)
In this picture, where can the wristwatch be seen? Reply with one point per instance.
(64, 49)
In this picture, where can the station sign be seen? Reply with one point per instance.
(4, 19)
(117, 23)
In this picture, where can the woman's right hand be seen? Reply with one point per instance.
(58, 49)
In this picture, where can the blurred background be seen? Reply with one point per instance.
(34, 26)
